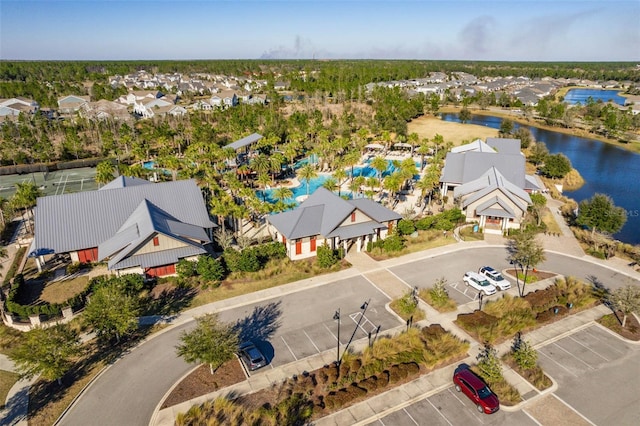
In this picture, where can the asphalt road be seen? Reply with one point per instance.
(288, 327)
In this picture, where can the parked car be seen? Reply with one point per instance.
(251, 356)
(479, 282)
(467, 382)
(495, 278)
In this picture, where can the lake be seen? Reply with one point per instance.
(607, 169)
(581, 96)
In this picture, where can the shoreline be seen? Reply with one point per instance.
(631, 147)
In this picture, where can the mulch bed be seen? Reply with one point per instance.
(201, 382)
(631, 328)
(539, 275)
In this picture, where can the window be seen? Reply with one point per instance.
(313, 243)
(298, 246)
(156, 241)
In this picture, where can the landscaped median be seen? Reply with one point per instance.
(388, 362)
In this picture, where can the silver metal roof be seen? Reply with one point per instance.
(505, 145)
(464, 167)
(124, 181)
(83, 220)
(323, 212)
(164, 257)
(246, 141)
(489, 208)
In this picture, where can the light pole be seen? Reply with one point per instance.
(480, 297)
(336, 316)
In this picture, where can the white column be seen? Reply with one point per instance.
(359, 244)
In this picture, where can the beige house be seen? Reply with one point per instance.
(492, 201)
(325, 218)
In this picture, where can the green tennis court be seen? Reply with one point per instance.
(52, 183)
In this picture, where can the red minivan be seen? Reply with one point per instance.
(478, 392)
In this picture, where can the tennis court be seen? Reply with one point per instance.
(52, 183)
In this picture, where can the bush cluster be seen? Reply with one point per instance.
(445, 221)
(326, 256)
(23, 312)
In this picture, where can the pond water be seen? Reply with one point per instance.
(581, 96)
(607, 169)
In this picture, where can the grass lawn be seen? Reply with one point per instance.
(7, 380)
(424, 241)
(60, 291)
(467, 234)
(549, 220)
(274, 274)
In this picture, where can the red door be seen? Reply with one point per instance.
(88, 255)
(298, 246)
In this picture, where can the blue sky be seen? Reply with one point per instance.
(505, 30)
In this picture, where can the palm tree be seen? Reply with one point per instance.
(306, 173)
(282, 193)
(105, 172)
(393, 183)
(25, 198)
(331, 184)
(260, 164)
(350, 159)
(423, 150)
(263, 180)
(340, 175)
(380, 165)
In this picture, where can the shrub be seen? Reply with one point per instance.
(249, 261)
(186, 268)
(231, 258)
(74, 267)
(489, 364)
(425, 223)
(370, 384)
(406, 227)
(211, 269)
(393, 243)
(523, 354)
(326, 256)
(438, 296)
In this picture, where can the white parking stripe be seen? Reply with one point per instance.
(532, 418)
(311, 340)
(285, 343)
(587, 347)
(558, 364)
(579, 359)
(330, 332)
(573, 409)
(411, 417)
(438, 411)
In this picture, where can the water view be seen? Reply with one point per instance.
(298, 191)
(607, 169)
(575, 96)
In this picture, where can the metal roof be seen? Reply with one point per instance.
(323, 212)
(246, 141)
(491, 181)
(124, 181)
(489, 208)
(164, 257)
(505, 145)
(464, 167)
(69, 222)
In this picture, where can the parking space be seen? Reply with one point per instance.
(597, 376)
(302, 324)
(449, 407)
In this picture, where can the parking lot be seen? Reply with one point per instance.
(302, 324)
(596, 373)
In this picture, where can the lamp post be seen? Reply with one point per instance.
(480, 297)
(336, 316)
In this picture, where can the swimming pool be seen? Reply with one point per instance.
(368, 171)
(298, 191)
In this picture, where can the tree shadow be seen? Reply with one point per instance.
(169, 301)
(260, 326)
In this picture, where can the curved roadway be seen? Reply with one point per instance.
(128, 391)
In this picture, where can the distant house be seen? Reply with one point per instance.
(72, 103)
(489, 182)
(134, 225)
(325, 218)
(15, 106)
(148, 108)
(138, 96)
(224, 99)
(103, 110)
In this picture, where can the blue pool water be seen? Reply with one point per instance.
(267, 195)
(581, 96)
(368, 171)
(312, 159)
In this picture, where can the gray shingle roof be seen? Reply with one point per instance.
(69, 222)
